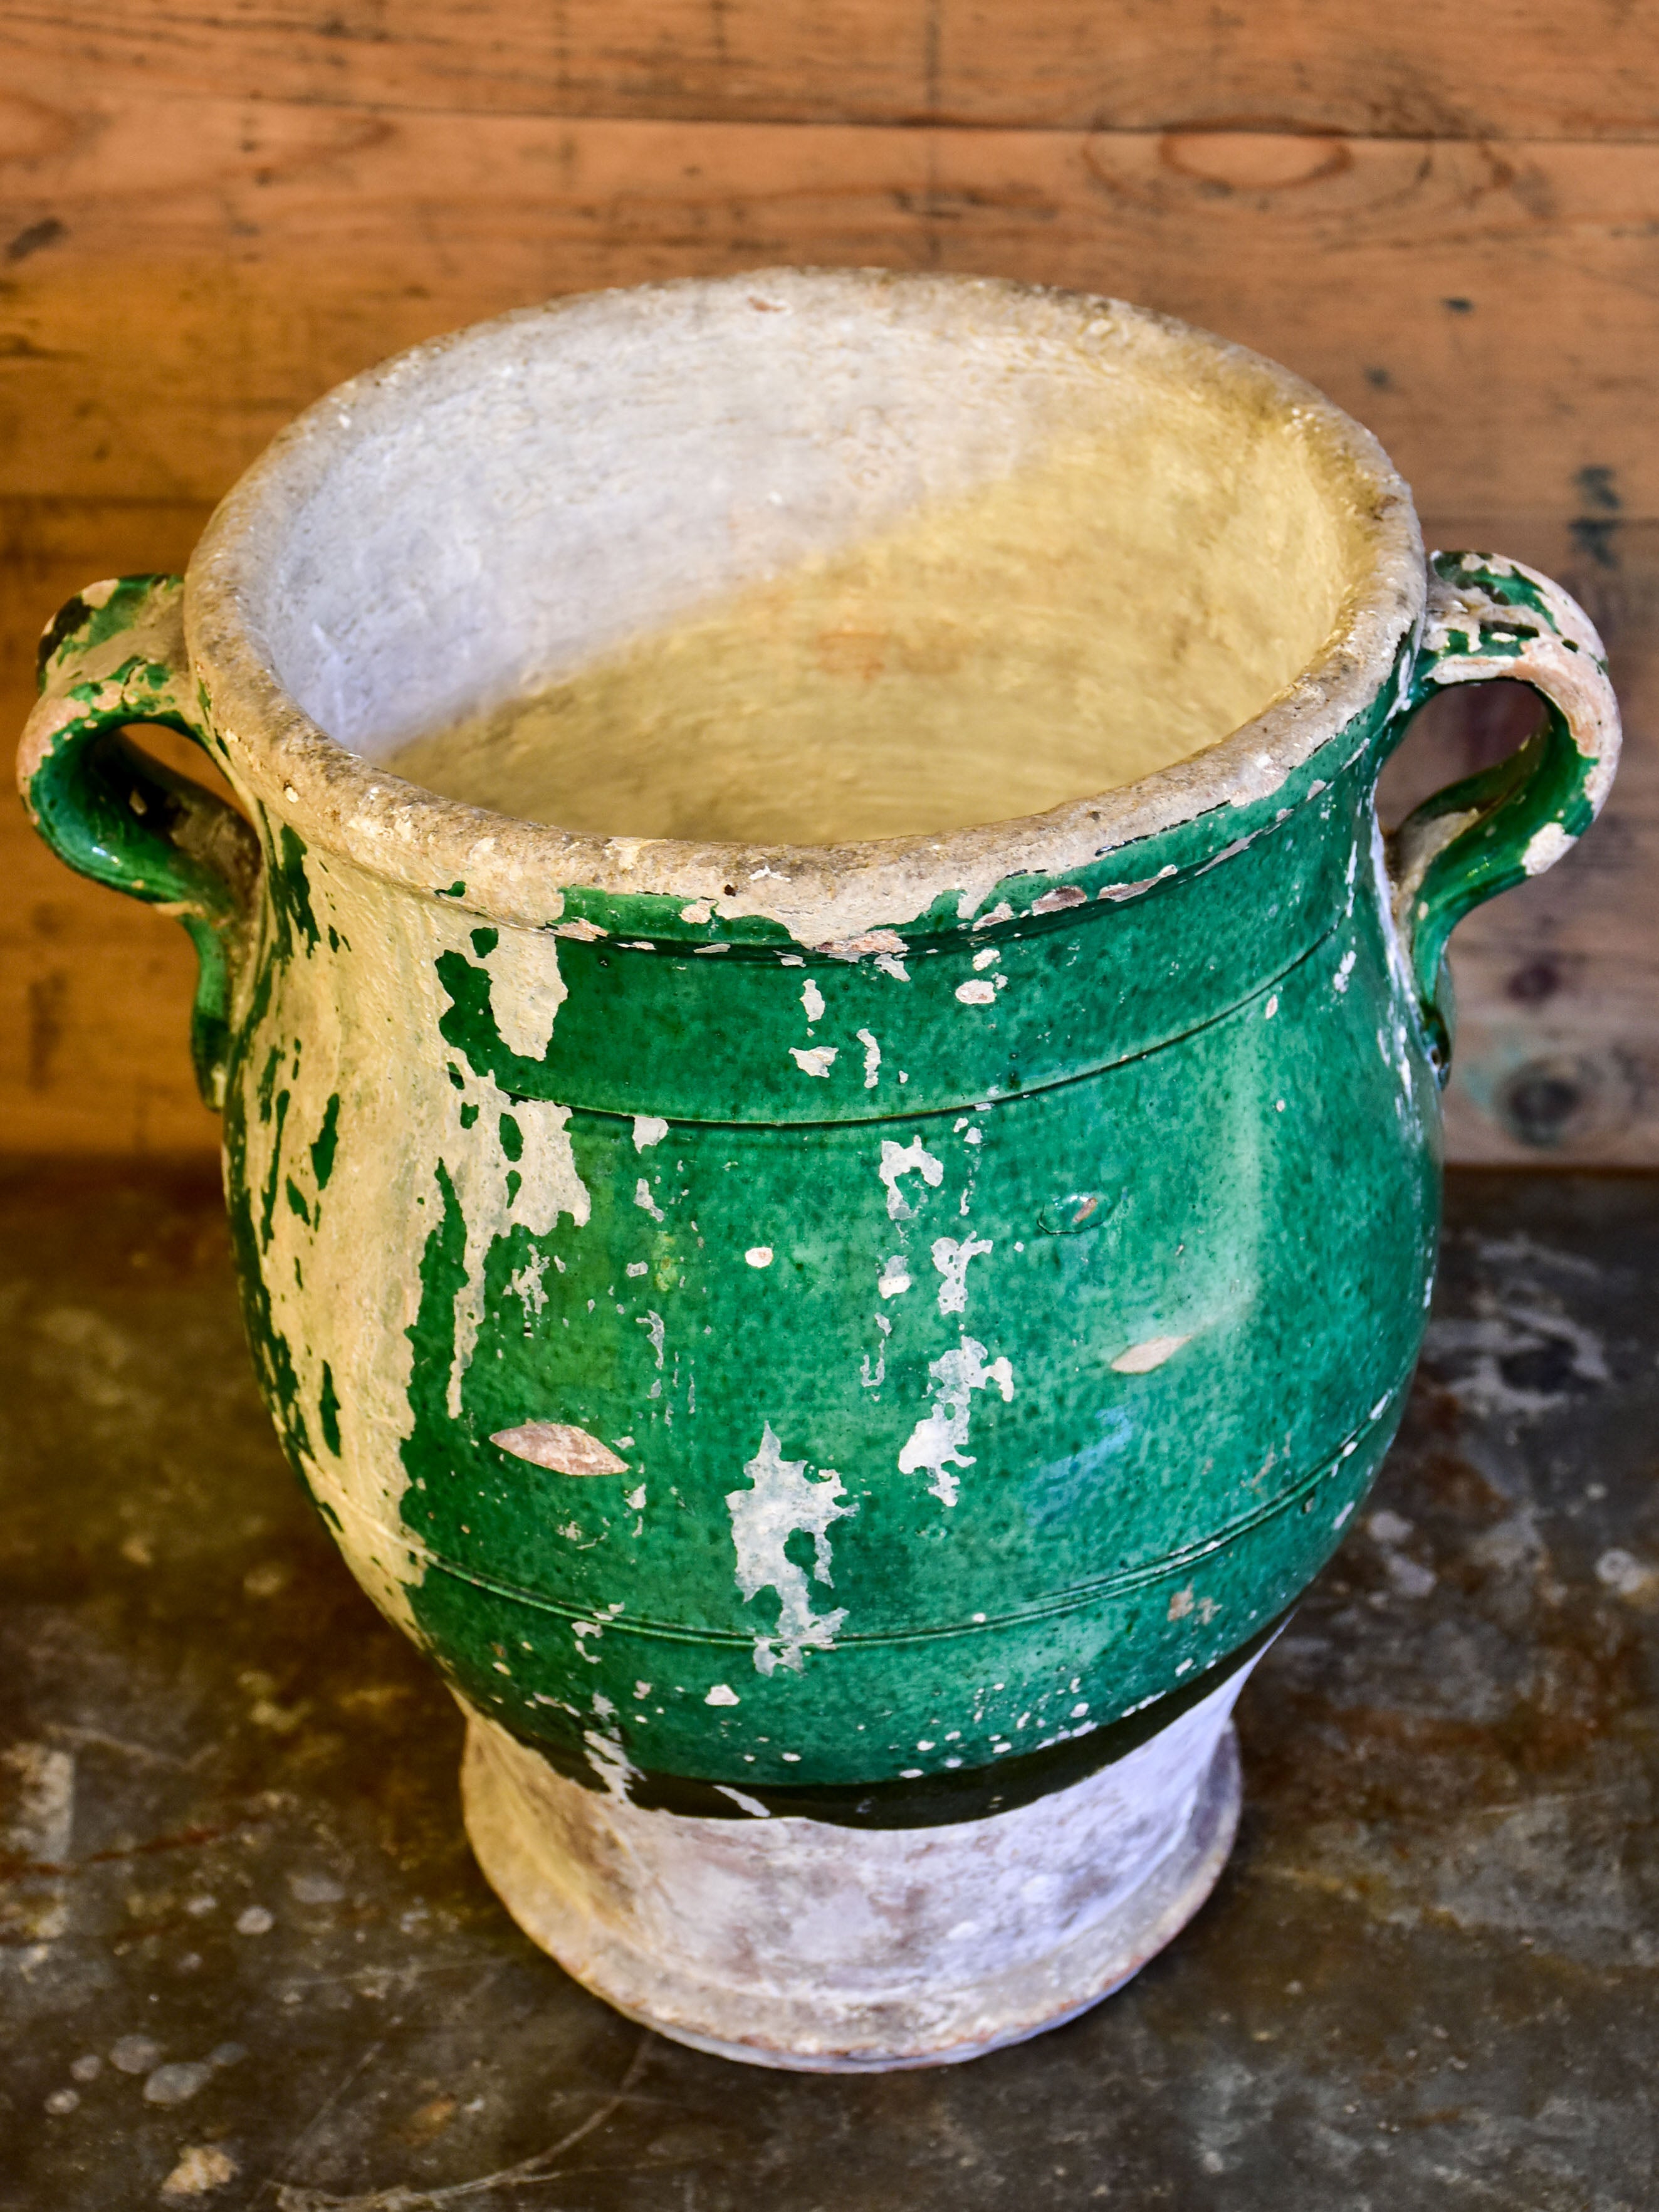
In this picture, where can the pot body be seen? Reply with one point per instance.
(843, 1357)
(943, 1422)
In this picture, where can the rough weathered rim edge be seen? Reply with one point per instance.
(517, 871)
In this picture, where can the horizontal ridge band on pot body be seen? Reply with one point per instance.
(984, 1268)
(1041, 1404)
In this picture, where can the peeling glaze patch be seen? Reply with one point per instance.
(890, 965)
(615, 1768)
(780, 1503)
(1141, 1358)
(648, 1129)
(813, 1060)
(1343, 974)
(1545, 847)
(644, 1200)
(913, 1159)
(1118, 891)
(722, 1694)
(759, 1255)
(813, 1000)
(580, 1630)
(493, 1191)
(1057, 901)
(555, 1444)
(524, 1284)
(488, 1162)
(871, 1059)
(873, 941)
(894, 1276)
(951, 1260)
(872, 1379)
(937, 1441)
(978, 991)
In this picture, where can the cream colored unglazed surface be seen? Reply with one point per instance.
(1104, 611)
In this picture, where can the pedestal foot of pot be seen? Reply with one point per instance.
(792, 1942)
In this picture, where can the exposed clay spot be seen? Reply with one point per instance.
(813, 1000)
(1057, 901)
(813, 1060)
(648, 1129)
(913, 1159)
(1117, 891)
(937, 1441)
(978, 991)
(759, 1255)
(722, 1694)
(951, 1260)
(1545, 847)
(1141, 1358)
(644, 1200)
(780, 1504)
(854, 948)
(1183, 1603)
(555, 1444)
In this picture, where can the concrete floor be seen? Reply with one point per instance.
(245, 1958)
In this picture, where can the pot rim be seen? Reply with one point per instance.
(517, 871)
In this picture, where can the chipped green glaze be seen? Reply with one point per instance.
(981, 1327)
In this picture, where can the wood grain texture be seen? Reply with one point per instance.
(1572, 69)
(185, 279)
(208, 219)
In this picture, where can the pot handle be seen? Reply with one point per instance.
(114, 655)
(1488, 617)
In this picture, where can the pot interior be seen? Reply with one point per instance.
(804, 558)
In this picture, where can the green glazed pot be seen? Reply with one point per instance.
(842, 1350)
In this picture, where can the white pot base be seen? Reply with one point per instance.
(790, 1942)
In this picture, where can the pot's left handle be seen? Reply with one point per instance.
(1489, 618)
(114, 655)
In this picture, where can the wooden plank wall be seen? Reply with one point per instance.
(1448, 219)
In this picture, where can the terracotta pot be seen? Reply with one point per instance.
(843, 1313)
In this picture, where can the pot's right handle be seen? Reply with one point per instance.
(115, 654)
(1490, 618)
